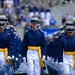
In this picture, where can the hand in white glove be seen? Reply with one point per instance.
(16, 59)
(19, 55)
(13, 57)
(56, 62)
(49, 58)
(43, 58)
(8, 57)
(61, 65)
(24, 59)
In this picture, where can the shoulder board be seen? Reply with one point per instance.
(15, 37)
(26, 30)
(41, 30)
(7, 33)
(63, 37)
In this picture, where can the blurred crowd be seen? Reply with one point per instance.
(68, 17)
(66, 1)
(19, 15)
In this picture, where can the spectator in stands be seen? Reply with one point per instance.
(66, 1)
(25, 22)
(70, 1)
(2, 3)
(74, 19)
(8, 3)
(53, 21)
(8, 13)
(22, 11)
(17, 10)
(63, 19)
(36, 11)
(68, 17)
(48, 13)
(12, 23)
(46, 22)
(18, 21)
(16, 2)
(31, 11)
(42, 13)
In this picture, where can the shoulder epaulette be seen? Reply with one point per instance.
(26, 30)
(41, 30)
(7, 33)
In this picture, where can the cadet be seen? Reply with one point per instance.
(16, 40)
(4, 18)
(5, 39)
(62, 35)
(67, 43)
(51, 48)
(34, 47)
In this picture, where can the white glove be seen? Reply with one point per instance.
(43, 58)
(56, 62)
(16, 59)
(60, 63)
(13, 56)
(19, 55)
(49, 58)
(9, 57)
(24, 59)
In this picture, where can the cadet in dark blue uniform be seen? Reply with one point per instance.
(5, 40)
(18, 46)
(62, 35)
(3, 18)
(17, 52)
(67, 44)
(42, 13)
(17, 41)
(52, 49)
(34, 44)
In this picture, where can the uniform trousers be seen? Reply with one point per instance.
(2, 59)
(33, 62)
(68, 64)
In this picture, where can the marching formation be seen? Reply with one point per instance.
(34, 55)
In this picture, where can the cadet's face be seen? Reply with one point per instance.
(2, 28)
(5, 25)
(70, 33)
(34, 25)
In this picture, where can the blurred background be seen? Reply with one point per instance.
(52, 13)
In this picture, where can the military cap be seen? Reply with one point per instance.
(68, 23)
(34, 20)
(3, 18)
(61, 27)
(70, 28)
(2, 23)
(12, 28)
